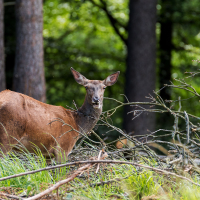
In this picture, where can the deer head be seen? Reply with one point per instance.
(95, 88)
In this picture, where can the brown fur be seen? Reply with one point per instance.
(26, 121)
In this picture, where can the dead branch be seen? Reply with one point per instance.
(10, 196)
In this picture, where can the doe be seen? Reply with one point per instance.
(26, 121)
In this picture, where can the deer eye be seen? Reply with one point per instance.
(86, 87)
(104, 88)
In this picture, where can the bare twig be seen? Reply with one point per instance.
(98, 159)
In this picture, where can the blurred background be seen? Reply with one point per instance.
(149, 42)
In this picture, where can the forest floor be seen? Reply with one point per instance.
(95, 174)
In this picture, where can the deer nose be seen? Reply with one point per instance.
(95, 99)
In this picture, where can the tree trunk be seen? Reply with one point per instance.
(165, 67)
(140, 73)
(29, 64)
(2, 58)
(165, 48)
(10, 43)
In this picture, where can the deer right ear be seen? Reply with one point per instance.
(79, 78)
(112, 79)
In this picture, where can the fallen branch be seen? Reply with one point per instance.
(58, 184)
(10, 196)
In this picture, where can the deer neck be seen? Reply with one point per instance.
(87, 116)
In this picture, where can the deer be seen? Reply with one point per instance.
(30, 123)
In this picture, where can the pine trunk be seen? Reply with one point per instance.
(165, 45)
(29, 64)
(140, 73)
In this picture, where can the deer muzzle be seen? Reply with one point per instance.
(96, 102)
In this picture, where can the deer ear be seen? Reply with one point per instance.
(79, 78)
(112, 79)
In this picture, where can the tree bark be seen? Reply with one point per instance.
(2, 57)
(29, 64)
(9, 43)
(165, 44)
(140, 73)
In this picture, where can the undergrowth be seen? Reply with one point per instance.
(131, 182)
(15, 163)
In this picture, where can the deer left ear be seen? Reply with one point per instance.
(79, 78)
(112, 79)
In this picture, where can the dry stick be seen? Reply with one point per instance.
(102, 161)
(147, 103)
(98, 159)
(102, 142)
(187, 127)
(58, 184)
(10, 196)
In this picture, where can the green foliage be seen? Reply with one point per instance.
(78, 35)
(138, 184)
(185, 191)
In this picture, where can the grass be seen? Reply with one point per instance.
(134, 183)
(138, 184)
(15, 163)
(12, 164)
